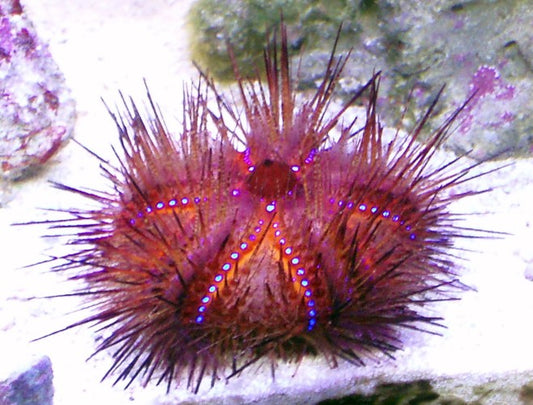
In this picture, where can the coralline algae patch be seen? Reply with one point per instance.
(493, 125)
(488, 88)
(37, 113)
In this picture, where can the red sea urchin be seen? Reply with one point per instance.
(209, 258)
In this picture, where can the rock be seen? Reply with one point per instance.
(29, 386)
(477, 49)
(37, 113)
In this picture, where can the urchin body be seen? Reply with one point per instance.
(208, 258)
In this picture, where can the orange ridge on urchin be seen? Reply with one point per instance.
(209, 258)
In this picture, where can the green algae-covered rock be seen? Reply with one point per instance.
(478, 49)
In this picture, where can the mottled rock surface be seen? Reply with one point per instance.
(479, 49)
(30, 384)
(36, 110)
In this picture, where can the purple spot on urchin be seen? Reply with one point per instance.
(309, 159)
(246, 157)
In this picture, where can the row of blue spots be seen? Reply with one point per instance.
(234, 256)
(310, 157)
(248, 160)
(172, 203)
(362, 207)
(175, 203)
(246, 157)
(224, 269)
(303, 281)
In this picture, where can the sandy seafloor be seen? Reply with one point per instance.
(103, 46)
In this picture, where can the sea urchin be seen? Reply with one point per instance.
(254, 233)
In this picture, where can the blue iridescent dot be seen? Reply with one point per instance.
(362, 207)
(196, 200)
(308, 293)
(300, 272)
(295, 168)
(304, 283)
(132, 222)
(275, 225)
(234, 255)
(246, 156)
(412, 236)
(312, 313)
(199, 319)
(201, 308)
(251, 168)
(396, 218)
(226, 266)
(244, 245)
(386, 214)
(340, 203)
(260, 222)
(212, 289)
(295, 261)
(257, 229)
(206, 299)
(288, 251)
(270, 208)
(159, 205)
(219, 278)
(140, 215)
(350, 205)
(172, 203)
(235, 192)
(184, 200)
(277, 233)
(149, 209)
(373, 210)
(332, 201)
(252, 237)
(408, 228)
(309, 158)
(311, 303)
(282, 241)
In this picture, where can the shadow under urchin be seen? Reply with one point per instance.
(210, 257)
